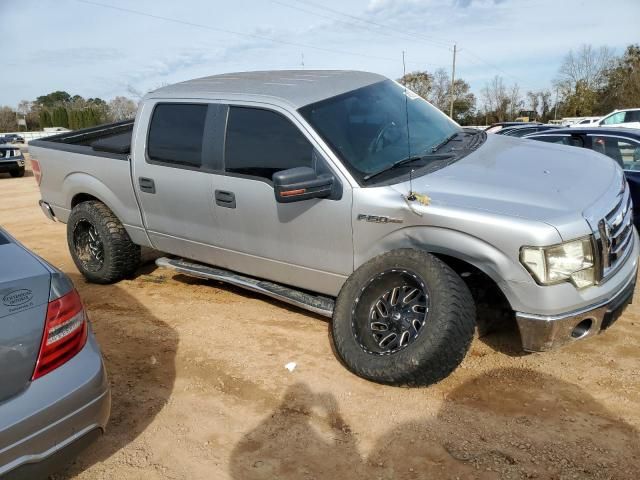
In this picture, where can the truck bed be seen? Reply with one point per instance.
(108, 140)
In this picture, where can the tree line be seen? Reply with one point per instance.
(60, 109)
(590, 82)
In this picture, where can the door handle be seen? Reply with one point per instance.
(147, 185)
(225, 199)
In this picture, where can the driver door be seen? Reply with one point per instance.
(307, 243)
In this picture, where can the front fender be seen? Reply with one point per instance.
(475, 251)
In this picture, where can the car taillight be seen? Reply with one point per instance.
(37, 173)
(65, 333)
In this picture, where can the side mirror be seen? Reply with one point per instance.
(301, 183)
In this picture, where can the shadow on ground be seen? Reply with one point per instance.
(139, 352)
(507, 423)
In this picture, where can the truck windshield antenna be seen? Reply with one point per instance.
(411, 195)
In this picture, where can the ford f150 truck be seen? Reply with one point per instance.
(347, 194)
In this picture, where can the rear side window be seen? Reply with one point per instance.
(632, 116)
(176, 134)
(260, 143)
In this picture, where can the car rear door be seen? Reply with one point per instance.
(176, 168)
(24, 296)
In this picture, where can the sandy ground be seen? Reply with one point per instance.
(200, 390)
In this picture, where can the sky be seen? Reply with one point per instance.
(105, 48)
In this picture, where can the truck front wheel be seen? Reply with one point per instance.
(403, 318)
(99, 244)
(18, 172)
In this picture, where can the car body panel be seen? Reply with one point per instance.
(24, 295)
(40, 419)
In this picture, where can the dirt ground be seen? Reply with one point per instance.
(200, 390)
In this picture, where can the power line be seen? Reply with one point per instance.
(350, 24)
(233, 32)
(442, 43)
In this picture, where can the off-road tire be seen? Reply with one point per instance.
(18, 172)
(443, 341)
(121, 255)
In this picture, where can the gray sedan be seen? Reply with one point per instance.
(54, 393)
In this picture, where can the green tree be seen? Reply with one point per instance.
(54, 99)
(622, 88)
(60, 117)
(45, 119)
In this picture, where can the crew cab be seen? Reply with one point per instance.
(347, 194)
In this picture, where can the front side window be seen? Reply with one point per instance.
(615, 118)
(176, 134)
(368, 129)
(260, 143)
(623, 151)
(572, 141)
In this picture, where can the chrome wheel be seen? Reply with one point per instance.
(88, 246)
(390, 312)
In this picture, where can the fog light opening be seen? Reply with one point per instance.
(582, 329)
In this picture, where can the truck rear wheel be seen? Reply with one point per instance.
(99, 244)
(403, 318)
(18, 172)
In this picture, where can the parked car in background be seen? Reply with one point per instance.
(11, 160)
(521, 131)
(620, 144)
(301, 186)
(628, 118)
(13, 138)
(496, 127)
(54, 394)
(586, 122)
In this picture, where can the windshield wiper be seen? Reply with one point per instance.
(446, 140)
(405, 161)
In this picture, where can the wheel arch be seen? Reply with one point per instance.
(457, 249)
(81, 187)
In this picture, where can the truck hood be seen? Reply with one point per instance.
(528, 179)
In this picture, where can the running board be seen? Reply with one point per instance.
(314, 303)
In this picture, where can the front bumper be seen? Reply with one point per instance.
(11, 164)
(55, 417)
(540, 333)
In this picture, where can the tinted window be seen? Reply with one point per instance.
(368, 127)
(632, 116)
(623, 151)
(562, 140)
(176, 133)
(260, 143)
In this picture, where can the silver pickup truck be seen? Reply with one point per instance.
(346, 194)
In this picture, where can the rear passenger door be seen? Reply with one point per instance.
(306, 243)
(177, 166)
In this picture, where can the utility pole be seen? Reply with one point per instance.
(555, 113)
(453, 79)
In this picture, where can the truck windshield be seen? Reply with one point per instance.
(367, 127)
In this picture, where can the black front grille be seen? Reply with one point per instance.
(616, 234)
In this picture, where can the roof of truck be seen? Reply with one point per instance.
(294, 87)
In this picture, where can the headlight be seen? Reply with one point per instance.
(569, 261)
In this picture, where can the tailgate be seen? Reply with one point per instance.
(24, 296)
